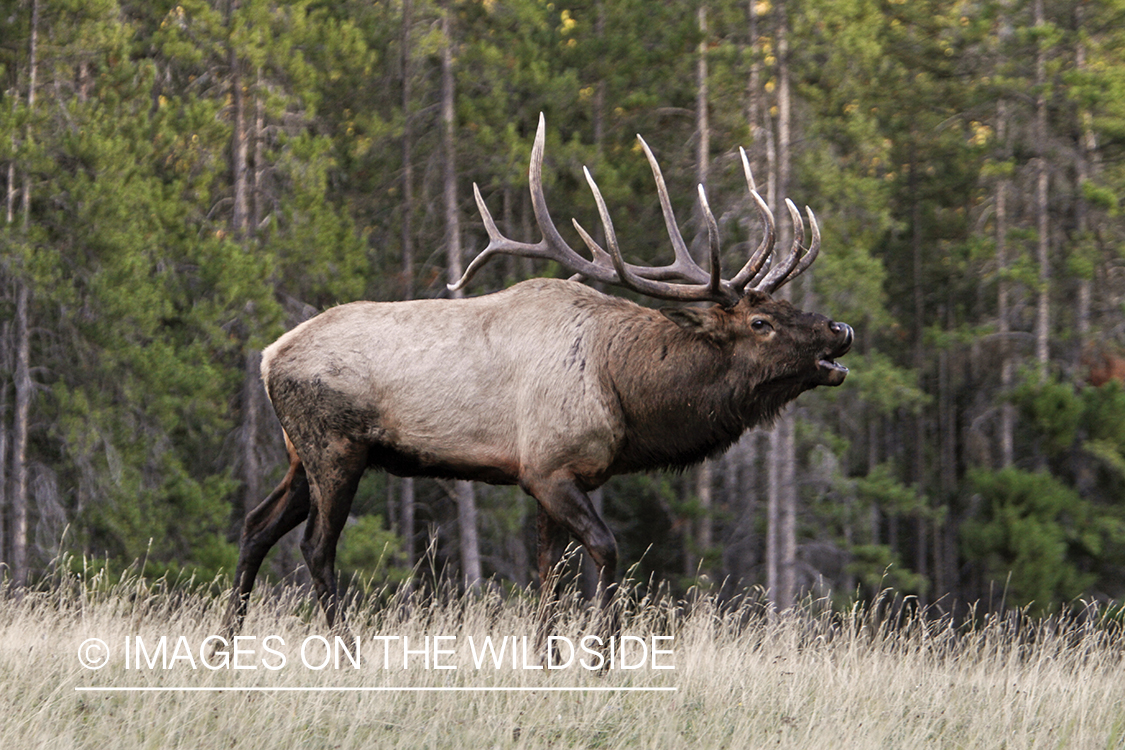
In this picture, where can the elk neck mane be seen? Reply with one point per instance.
(681, 400)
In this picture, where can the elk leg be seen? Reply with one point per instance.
(272, 519)
(553, 538)
(569, 507)
(333, 480)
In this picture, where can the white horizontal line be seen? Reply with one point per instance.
(260, 689)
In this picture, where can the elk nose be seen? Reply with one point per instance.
(845, 330)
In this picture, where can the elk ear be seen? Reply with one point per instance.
(694, 320)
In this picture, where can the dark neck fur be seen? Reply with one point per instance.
(680, 399)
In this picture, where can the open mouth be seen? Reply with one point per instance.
(832, 372)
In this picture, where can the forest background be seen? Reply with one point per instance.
(183, 181)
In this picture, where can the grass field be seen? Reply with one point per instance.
(740, 679)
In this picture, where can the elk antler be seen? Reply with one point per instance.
(609, 266)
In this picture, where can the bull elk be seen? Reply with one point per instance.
(549, 385)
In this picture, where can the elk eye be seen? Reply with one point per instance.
(760, 326)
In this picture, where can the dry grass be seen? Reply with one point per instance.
(805, 680)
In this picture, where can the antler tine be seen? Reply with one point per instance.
(716, 285)
(746, 171)
(551, 247)
(623, 275)
(810, 254)
(779, 274)
(684, 266)
(651, 281)
(601, 257)
(558, 249)
(497, 244)
(756, 262)
(630, 279)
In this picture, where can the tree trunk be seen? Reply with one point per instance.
(6, 491)
(702, 118)
(467, 526)
(1004, 288)
(787, 453)
(754, 82)
(599, 87)
(20, 430)
(773, 519)
(239, 144)
(464, 495)
(704, 491)
(782, 513)
(253, 406)
(23, 384)
(1004, 325)
(407, 155)
(947, 419)
(4, 463)
(259, 214)
(874, 452)
(921, 523)
(784, 120)
(253, 394)
(1042, 307)
(1085, 168)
